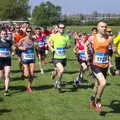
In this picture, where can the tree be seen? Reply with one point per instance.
(46, 14)
(14, 9)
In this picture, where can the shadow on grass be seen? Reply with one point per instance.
(1, 99)
(73, 88)
(2, 111)
(71, 72)
(17, 89)
(15, 78)
(114, 105)
(15, 71)
(82, 86)
(70, 89)
(73, 59)
(42, 87)
(21, 78)
(117, 85)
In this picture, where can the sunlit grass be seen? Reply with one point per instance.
(45, 103)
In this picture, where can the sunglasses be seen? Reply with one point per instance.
(62, 27)
(28, 31)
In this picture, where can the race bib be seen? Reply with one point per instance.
(60, 51)
(28, 55)
(82, 56)
(41, 43)
(4, 52)
(101, 58)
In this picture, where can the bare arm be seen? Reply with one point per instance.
(50, 46)
(20, 44)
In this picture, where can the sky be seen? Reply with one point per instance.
(83, 6)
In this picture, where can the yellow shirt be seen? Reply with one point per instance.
(116, 41)
(59, 43)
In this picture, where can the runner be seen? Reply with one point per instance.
(17, 36)
(90, 49)
(110, 68)
(58, 43)
(54, 31)
(5, 59)
(94, 31)
(100, 66)
(28, 57)
(81, 53)
(45, 33)
(24, 26)
(116, 50)
(40, 48)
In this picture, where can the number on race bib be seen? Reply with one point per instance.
(4, 52)
(101, 58)
(28, 55)
(82, 56)
(41, 43)
(60, 51)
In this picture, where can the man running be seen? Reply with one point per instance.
(58, 43)
(100, 65)
(116, 50)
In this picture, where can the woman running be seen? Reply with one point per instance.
(40, 47)
(28, 57)
(81, 51)
(5, 59)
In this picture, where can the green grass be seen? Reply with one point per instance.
(88, 29)
(45, 103)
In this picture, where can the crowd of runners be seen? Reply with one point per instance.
(93, 51)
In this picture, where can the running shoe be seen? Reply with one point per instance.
(98, 107)
(42, 71)
(29, 90)
(57, 85)
(77, 82)
(62, 83)
(6, 93)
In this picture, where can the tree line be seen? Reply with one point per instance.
(46, 13)
(14, 9)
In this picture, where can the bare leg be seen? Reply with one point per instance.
(31, 69)
(7, 76)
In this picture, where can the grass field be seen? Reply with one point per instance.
(45, 103)
(87, 29)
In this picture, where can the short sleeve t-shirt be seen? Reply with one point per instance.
(60, 42)
(116, 41)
